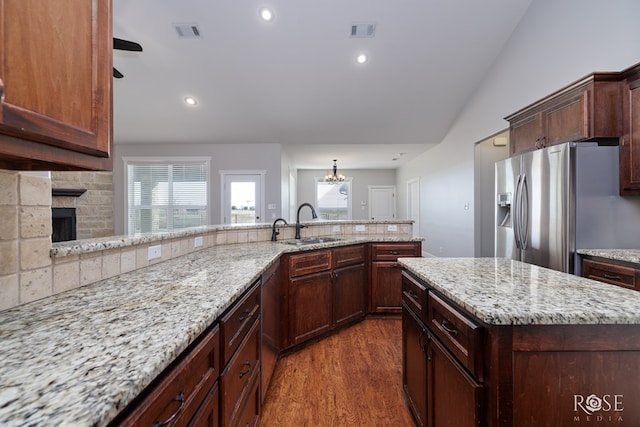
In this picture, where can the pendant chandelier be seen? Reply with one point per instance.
(335, 177)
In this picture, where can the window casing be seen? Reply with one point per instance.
(165, 194)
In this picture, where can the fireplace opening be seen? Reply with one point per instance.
(64, 224)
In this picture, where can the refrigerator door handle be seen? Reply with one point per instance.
(524, 206)
(515, 217)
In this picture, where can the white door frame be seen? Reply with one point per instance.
(373, 188)
(410, 204)
(260, 205)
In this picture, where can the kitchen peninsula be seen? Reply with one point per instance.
(80, 357)
(514, 344)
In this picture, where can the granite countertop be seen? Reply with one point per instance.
(501, 291)
(626, 255)
(79, 357)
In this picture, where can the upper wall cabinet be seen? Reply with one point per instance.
(630, 140)
(586, 109)
(56, 85)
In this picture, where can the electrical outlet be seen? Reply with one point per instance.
(154, 252)
(392, 227)
(197, 242)
(360, 227)
(335, 229)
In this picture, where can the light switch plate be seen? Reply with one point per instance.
(360, 227)
(154, 252)
(197, 242)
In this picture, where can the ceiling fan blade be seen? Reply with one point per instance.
(126, 45)
(117, 74)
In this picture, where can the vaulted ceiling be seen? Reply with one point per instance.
(295, 80)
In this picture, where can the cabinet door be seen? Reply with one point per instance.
(386, 287)
(525, 134)
(630, 142)
(272, 297)
(455, 398)
(56, 84)
(348, 294)
(309, 306)
(208, 414)
(414, 365)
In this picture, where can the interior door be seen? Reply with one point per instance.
(382, 202)
(242, 199)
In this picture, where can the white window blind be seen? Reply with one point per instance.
(166, 195)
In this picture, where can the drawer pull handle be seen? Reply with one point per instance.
(394, 252)
(447, 327)
(412, 294)
(178, 398)
(247, 364)
(245, 315)
(611, 276)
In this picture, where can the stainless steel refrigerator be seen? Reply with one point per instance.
(553, 201)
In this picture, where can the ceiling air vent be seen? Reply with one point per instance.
(187, 30)
(363, 30)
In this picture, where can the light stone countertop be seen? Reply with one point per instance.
(501, 291)
(79, 357)
(626, 255)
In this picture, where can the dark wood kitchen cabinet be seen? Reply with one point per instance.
(56, 85)
(630, 140)
(612, 272)
(272, 306)
(385, 294)
(241, 337)
(589, 108)
(442, 360)
(326, 290)
(186, 391)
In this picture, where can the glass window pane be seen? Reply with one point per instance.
(333, 200)
(243, 202)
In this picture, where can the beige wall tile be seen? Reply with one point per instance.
(110, 263)
(9, 291)
(35, 284)
(221, 238)
(8, 222)
(8, 188)
(35, 253)
(127, 260)
(35, 222)
(66, 276)
(90, 269)
(142, 256)
(176, 248)
(34, 191)
(186, 245)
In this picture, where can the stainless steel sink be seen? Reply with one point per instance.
(312, 241)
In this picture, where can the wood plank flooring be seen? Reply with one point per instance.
(352, 378)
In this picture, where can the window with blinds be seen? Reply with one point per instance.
(166, 195)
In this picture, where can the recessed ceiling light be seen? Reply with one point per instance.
(190, 100)
(361, 58)
(266, 14)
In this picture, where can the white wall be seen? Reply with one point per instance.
(556, 43)
(223, 157)
(362, 179)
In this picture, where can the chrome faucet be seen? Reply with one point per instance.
(300, 226)
(274, 233)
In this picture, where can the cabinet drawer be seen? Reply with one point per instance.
(392, 251)
(348, 255)
(179, 394)
(415, 296)
(251, 412)
(460, 335)
(239, 375)
(309, 262)
(208, 414)
(235, 324)
(610, 273)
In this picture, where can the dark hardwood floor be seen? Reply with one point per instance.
(352, 378)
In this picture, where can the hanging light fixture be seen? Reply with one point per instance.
(335, 177)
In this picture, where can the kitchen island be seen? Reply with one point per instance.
(513, 344)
